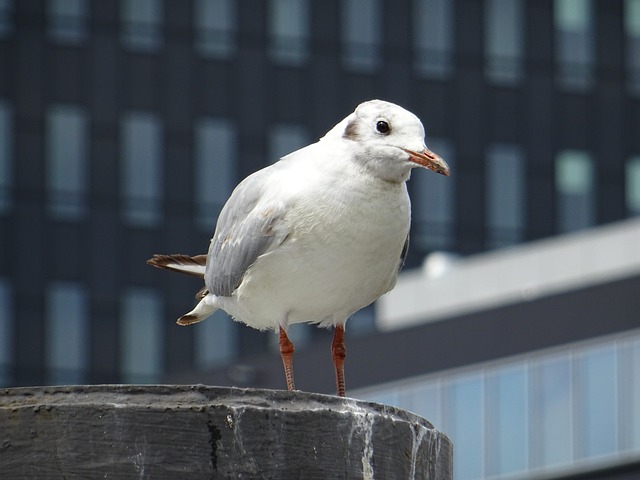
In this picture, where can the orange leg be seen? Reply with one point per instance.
(286, 352)
(338, 352)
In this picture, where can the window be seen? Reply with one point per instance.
(6, 156)
(6, 18)
(215, 24)
(67, 162)
(632, 31)
(142, 24)
(68, 20)
(504, 31)
(508, 413)
(285, 139)
(552, 412)
(215, 341)
(575, 189)
(505, 194)
(215, 168)
(632, 188)
(361, 34)
(67, 333)
(465, 396)
(289, 31)
(6, 332)
(141, 334)
(574, 43)
(433, 202)
(433, 37)
(597, 372)
(142, 183)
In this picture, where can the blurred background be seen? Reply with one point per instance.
(515, 327)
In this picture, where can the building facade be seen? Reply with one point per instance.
(124, 126)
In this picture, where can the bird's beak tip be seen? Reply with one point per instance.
(426, 158)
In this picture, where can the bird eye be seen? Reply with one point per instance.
(383, 127)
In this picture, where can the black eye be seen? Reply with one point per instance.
(383, 127)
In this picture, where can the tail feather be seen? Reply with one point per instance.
(180, 263)
(203, 309)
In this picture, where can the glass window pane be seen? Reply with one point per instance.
(6, 332)
(6, 17)
(6, 156)
(215, 341)
(575, 188)
(550, 421)
(433, 37)
(142, 170)
(424, 399)
(508, 447)
(465, 425)
(216, 160)
(505, 194)
(67, 330)
(632, 31)
(68, 20)
(633, 393)
(632, 187)
(285, 139)
(574, 43)
(433, 202)
(361, 34)
(289, 31)
(215, 24)
(597, 392)
(141, 335)
(504, 30)
(142, 24)
(67, 162)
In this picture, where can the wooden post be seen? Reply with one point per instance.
(184, 431)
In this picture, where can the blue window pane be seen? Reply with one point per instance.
(67, 333)
(142, 24)
(575, 187)
(504, 32)
(361, 27)
(68, 20)
(67, 162)
(597, 400)
(424, 399)
(433, 37)
(632, 185)
(508, 407)
(215, 341)
(215, 164)
(6, 332)
(142, 170)
(632, 31)
(141, 334)
(289, 31)
(6, 156)
(465, 425)
(433, 200)
(505, 195)
(551, 424)
(6, 18)
(215, 24)
(632, 392)
(574, 43)
(284, 139)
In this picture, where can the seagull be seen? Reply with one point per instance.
(316, 236)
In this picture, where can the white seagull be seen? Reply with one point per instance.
(318, 235)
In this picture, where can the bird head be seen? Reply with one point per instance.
(387, 140)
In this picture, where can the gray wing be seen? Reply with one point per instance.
(248, 226)
(404, 253)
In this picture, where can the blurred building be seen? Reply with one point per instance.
(124, 126)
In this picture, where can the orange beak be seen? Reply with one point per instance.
(430, 160)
